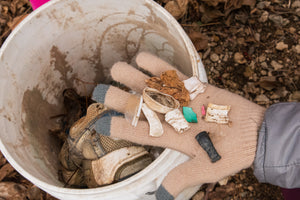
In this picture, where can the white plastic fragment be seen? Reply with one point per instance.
(138, 113)
(158, 101)
(176, 119)
(133, 109)
(217, 113)
(156, 128)
(194, 86)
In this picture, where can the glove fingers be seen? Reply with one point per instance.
(155, 65)
(112, 97)
(117, 99)
(179, 178)
(129, 76)
(119, 127)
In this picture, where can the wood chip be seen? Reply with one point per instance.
(5, 171)
(199, 40)
(2, 159)
(35, 193)
(11, 190)
(177, 8)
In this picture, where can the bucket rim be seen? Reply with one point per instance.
(165, 155)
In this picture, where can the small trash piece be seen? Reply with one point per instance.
(158, 101)
(194, 86)
(189, 114)
(217, 113)
(133, 109)
(169, 83)
(203, 113)
(176, 119)
(156, 128)
(205, 142)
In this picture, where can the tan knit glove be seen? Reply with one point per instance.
(236, 143)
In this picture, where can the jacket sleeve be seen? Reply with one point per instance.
(277, 158)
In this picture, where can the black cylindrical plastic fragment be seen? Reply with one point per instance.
(205, 142)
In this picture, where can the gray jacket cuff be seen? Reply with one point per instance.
(277, 158)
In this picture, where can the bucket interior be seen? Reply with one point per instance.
(66, 45)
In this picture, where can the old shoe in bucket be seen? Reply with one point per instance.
(95, 155)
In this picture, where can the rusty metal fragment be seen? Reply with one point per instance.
(169, 83)
(176, 119)
(217, 113)
(194, 86)
(155, 125)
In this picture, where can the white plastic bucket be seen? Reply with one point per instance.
(69, 39)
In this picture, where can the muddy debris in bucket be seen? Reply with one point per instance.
(87, 157)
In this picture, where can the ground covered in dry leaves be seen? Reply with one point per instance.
(249, 47)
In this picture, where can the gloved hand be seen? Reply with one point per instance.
(235, 143)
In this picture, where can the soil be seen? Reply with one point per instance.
(248, 47)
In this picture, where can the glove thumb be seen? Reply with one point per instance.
(177, 180)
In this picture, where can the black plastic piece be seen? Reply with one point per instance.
(205, 142)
